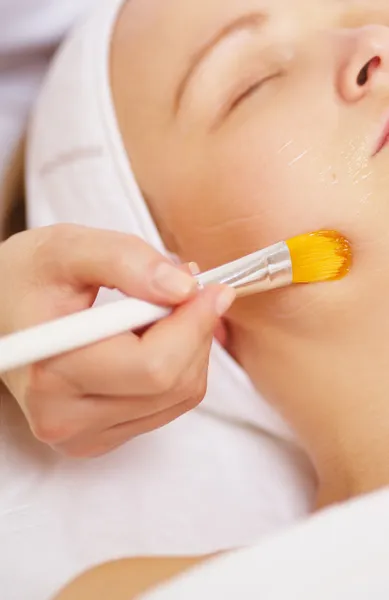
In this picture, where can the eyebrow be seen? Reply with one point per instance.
(245, 22)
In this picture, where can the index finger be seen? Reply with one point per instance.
(82, 256)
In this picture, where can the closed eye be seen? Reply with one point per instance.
(250, 91)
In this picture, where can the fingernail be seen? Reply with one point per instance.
(194, 268)
(170, 280)
(225, 300)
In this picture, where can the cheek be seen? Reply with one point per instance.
(252, 197)
(242, 195)
(254, 193)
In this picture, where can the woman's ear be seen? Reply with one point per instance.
(12, 195)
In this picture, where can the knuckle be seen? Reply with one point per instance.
(56, 236)
(128, 246)
(123, 264)
(201, 390)
(50, 430)
(48, 422)
(64, 233)
(192, 393)
(161, 375)
(199, 394)
(54, 241)
(196, 391)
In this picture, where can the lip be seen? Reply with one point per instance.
(383, 137)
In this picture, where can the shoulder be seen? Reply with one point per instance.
(126, 579)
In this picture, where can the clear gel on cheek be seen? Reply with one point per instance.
(285, 146)
(328, 176)
(357, 159)
(297, 158)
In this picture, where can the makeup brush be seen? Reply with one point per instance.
(308, 258)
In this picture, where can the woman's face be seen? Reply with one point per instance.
(251, 121)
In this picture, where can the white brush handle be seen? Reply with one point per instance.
(76, 331)
(261, 271)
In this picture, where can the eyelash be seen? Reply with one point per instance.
(251, 90)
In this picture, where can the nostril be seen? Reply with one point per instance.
(365, 73)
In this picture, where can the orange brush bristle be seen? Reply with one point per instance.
(319, 256)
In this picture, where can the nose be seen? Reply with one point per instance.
(365, 67)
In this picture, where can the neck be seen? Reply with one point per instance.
(308, 378)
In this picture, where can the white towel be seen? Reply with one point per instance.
(30, 31)
(220, 477)
(342, 554)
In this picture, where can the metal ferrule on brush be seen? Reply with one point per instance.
(261, 271)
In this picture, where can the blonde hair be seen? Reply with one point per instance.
(12, 195)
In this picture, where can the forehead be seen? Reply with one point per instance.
(173, 28)
(162, 34)
(190, 17)
(187, 19)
